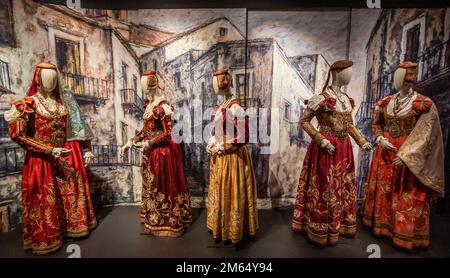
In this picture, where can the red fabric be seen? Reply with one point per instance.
(396, 204)
(326, 196)
(55, 191)
(239, 130)
(421, 104)
(328, 104)
(165, 198)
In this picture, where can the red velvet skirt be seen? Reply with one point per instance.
(326, 196)
(396, 203)
(166, 208)
(56, 200)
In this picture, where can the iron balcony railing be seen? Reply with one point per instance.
(131, 102)
(11, 159)
(86, 86)
(109, 155)
(434, 60)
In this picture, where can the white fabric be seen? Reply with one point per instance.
(324, 143)
(12, 114)
(314, 102)
(41, 109)
(406, 108)
(344, 98)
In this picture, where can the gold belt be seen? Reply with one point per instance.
(341, 134)
(395, 131)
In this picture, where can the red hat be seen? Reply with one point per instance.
(221, 71)
(338, 65)
(411, 70)
(149, 72)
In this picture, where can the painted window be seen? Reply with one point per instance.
(287, 110)
(68, 55)
(412, 43)
(242, 83)
(177, 80)
(5, 81)
(124, 76)
(223, 31)
(124, 128)
(6, 23)
(3, 127)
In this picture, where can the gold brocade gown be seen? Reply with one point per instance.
(232, 193)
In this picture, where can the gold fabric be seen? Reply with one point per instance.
(232, 196)
(340, 124)
(423, 151)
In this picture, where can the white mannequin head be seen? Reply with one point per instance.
(222, 82)
(342, 77)
(49, 80)
(399, 80)
(149, 82)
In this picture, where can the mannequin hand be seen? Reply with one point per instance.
(217, 148)
(125, 147)
(397, 161)
(366, 146)
(61, 152)
(325, 144)
(145, 144)
(209, 147)
(386, 145)
(88, 157)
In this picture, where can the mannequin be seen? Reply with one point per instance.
(165, 204)
(231, 170)
(43, 124)
(332, 212)
(407, 166)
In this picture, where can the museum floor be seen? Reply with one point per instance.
(119, 234)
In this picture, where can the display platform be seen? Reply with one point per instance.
(275, 240)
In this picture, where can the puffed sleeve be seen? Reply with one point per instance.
(17, 118)
(312, 107)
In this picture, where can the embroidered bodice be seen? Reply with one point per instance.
(36, 128)
(338, 122)
(157, 122)
(230, 123)
(401, 121)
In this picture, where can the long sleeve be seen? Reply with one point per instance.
(378, 122)
(164, 135)
(18, 133)
(139, 136)
(356, 134)
(305, 122)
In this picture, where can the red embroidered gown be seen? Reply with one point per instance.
(397, 204)
(326, 196)
(56, 199)
(165, 209)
